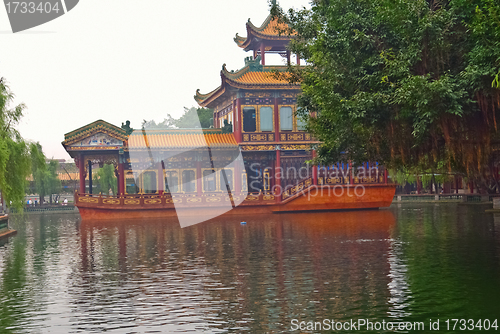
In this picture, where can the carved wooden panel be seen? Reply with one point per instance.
(88, 200)
(110, 201)
(258, 137)
(152, 201)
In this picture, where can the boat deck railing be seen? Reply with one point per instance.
(167, 200)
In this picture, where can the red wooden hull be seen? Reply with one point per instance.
(320, 198)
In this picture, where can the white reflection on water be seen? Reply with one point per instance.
(398, 286)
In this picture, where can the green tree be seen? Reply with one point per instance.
(167, 123)
(105, 179)
(47, 182)
(407, 83)
(15, 161)
(191, 118)
(38, 164)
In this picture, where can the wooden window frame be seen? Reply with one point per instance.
(257, 118)
(272, 118)
(179, 183)
(294, 124)
(181, 177)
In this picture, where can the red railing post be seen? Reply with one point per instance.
(81, 167)
(314, 170)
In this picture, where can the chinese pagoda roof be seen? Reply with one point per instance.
(252, 76)
(94, 127)
(181, 139)
(271, 30)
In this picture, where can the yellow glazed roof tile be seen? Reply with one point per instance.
(178, 139)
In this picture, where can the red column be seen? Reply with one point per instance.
(121, 179)
(199, 176)
(81, 167)
(90, 176)
(263, 53)
(161, 178)
(276, 120)
(288, 57)
(277, 175)
(456, 184)
(386, 176)
(315, 170)
(235, 119)
(298, 59)
(239, 123)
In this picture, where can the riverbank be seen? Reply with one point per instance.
(464, 198)
(46, 209)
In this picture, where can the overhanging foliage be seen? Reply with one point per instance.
(411, 84)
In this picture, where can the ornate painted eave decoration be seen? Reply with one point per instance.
(252, 76)
(88, 130)
(271, 30)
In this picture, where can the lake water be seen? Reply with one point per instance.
(412, 263)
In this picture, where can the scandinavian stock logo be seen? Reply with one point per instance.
(222, 162)
(25, 15)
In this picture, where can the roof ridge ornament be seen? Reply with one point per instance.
(254, 64)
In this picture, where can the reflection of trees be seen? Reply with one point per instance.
(12, 279)
(449, 251)
(27, 261)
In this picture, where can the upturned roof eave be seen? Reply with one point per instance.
(231, 79)
(257, 32)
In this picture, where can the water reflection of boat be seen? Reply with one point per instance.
(340, 257)
(361, 223)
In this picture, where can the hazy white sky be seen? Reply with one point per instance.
(122, 60)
